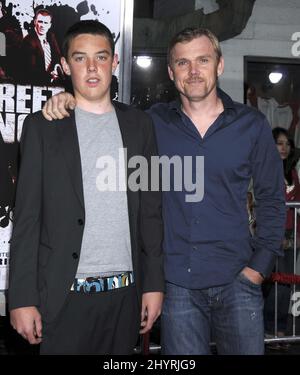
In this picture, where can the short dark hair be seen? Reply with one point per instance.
(87, 27)
(43, 12)
(278, 131)
(190, 33)
(290, 162)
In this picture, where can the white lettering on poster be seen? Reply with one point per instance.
(16, 102)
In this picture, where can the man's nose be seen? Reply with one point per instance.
(194, 67)
(92, 67)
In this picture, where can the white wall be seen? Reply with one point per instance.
(268, 33)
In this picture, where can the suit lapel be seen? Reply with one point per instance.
(38, 45)
(128, 143)
(70, 147)
(121, 115)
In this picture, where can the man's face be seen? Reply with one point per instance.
(91, 65)
(42, 24)
(194, 68)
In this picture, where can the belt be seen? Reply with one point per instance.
(102, 284)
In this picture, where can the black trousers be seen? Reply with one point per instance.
(99, 323)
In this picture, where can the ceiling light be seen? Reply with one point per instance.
(144, 61)
(275, 77)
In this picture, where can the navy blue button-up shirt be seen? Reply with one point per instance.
(206, 243)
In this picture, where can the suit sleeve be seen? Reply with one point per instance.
(151, 226)
(269, 192)
(23, 285)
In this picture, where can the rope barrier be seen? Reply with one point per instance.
(283, 278)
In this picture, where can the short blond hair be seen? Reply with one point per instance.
(191, 33)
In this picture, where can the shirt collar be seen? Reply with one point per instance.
(42, 38)
(228, 103)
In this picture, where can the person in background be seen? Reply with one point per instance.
(286, 263)
(86, 267)
(41, 53)
(214, 268)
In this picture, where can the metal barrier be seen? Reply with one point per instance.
(293, 337)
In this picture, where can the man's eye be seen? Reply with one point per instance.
(79, 58)
(204, 60)
(182, 63)
(102, 58)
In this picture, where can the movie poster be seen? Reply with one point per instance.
(31, 34)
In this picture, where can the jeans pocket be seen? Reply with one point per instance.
(244, 279)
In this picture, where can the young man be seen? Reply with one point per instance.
(214, 268)
(86, 263)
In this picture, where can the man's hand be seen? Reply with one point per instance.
(151, 309)
(27, 322)
(253, 275)
(287, 244)
(56, 107)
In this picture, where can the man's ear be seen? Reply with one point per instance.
(170, 71)
(115, 63)
(65, 66)
(220, 68)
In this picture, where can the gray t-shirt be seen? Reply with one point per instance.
(106, 247)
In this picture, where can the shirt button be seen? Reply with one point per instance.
(75, 255)
(197, 221)
(189, 270)
(80, 222)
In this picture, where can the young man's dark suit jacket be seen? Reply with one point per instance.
(33, 61)
(50, 214)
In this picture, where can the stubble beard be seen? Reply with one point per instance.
(204, 90)
(199, 94)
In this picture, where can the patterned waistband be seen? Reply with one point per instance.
(102, 284)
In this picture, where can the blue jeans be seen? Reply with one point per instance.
(230, 315)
